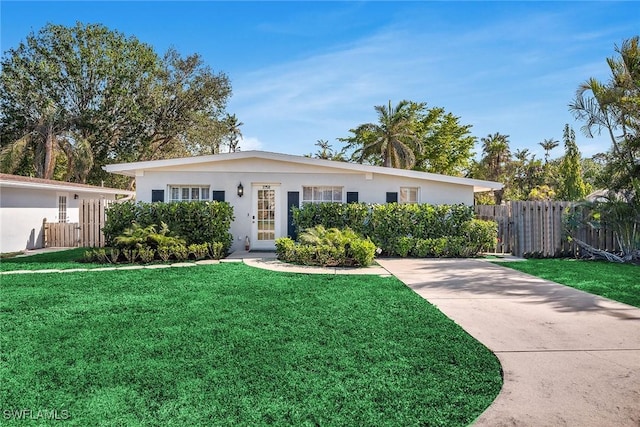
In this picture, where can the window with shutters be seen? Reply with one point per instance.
(186, 193)
(321, 194)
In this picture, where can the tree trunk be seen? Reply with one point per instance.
(49, 155)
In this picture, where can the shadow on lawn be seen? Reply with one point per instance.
(54, 257)
(461, 276)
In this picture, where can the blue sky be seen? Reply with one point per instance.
(304, 71)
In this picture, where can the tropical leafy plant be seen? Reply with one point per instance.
(138, 237)
(327, 247)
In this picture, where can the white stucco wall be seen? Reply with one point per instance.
(23, 209)
(371, 188)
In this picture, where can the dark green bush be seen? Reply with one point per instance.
(355, 216)
(482, 236)
(404, 246)
(403, 230)
(195, 222)
(327, 247)
(430, 248)
(362, 251)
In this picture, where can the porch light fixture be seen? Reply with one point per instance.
(75, 196)
(240, 190)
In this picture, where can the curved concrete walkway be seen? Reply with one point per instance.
(569, 358)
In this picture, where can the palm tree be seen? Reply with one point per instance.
(234, 134)
(393, 138)
(496, 154)
(325, 152)
(41, 137)
(548, 145)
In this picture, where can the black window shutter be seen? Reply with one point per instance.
(352, 197)
(157, 195)
(392, 197)
(217, 196)
(293, 200)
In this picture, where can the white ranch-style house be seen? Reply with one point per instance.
(25, 202)
(262, 186)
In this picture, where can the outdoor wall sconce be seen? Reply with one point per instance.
(75, 196)
(240, 190)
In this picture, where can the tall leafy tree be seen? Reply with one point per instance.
(86, 95)
(412, 136)
(447, 145)
(495, 163)
(392, 141)
(527, 177)
(57, 84)
(572, 186)
(613, 107)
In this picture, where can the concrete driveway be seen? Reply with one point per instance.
(569, 358)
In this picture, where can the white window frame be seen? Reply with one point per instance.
(317, 193)
(189, 193)
(63, 208)
(406, 193)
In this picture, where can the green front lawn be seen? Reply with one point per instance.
(60, 260)
(620, 282)
(230, 345)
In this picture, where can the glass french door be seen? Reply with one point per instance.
(265, 227)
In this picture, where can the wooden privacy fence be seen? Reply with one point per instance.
(536, 229)
(92, 218)
(61, 234)
(86, 233)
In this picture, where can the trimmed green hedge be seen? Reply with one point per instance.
(419, 230)
(195, 222)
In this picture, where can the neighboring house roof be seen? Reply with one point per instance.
(17, 181)
(129, 169)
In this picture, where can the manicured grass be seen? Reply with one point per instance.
(60, 260)
(230, 345)
(620, 282)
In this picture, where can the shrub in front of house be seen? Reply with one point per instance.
(480, 235)
(327, 247)
(195, 222)
(354, 216)
(144, 245)
(418, 230)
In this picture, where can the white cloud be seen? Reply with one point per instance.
(250, 143)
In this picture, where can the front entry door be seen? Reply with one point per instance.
(265, 227)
